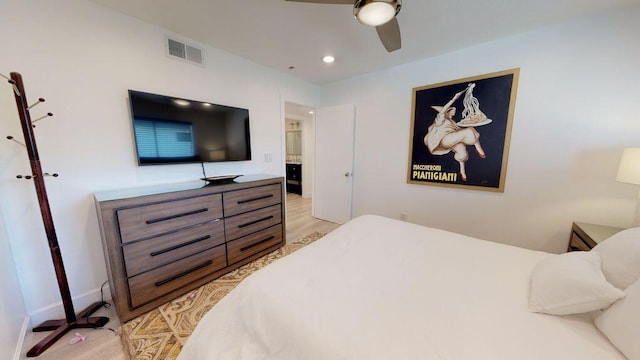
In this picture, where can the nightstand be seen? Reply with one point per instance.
(585, 237)
(294, 178)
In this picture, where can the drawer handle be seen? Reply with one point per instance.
(177, 276)
(255, 199)
(257, 243)
(256, 221)
(156, 253)
(156, 220)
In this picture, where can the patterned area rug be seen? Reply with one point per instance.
(161, 333)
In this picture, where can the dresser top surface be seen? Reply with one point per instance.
(144, 190)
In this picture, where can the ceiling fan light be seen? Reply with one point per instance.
(375, 13)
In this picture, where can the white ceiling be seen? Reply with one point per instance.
(280, 34)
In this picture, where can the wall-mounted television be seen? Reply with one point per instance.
(170, 130)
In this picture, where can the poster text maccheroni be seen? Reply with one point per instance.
(433, 173)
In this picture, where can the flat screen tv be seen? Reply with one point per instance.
(170, 130)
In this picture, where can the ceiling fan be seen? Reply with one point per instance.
(380, 14)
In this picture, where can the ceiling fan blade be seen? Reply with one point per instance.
(389, 34)
(349, 2)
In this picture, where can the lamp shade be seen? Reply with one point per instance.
(629, 170)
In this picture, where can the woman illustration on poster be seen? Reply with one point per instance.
(444, 135)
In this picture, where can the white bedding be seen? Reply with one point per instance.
(378, 288)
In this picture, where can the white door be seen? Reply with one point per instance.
(333, 178)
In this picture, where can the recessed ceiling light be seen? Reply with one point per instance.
(181, 102)
(311, 112)
(207, 104)
(328, 59)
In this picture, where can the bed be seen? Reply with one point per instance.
(378, 288)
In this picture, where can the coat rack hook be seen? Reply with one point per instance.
(13, 83)
(40, 100)
(42, 117)
(16, 141)
(15, 88)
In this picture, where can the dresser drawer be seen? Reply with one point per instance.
(155, 283)
(245, 224)
(254, 243)
(294, 172)
(237, 202)
(143, 255)
(145, 221)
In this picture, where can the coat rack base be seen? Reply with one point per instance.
(63, 326)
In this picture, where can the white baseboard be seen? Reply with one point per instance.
(56, 310)
(23, 335)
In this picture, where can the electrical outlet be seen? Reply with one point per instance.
(268, 157)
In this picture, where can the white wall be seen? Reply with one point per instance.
(575, 111)
(12, 309)
(83, 58)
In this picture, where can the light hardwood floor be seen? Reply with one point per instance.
(299, 219)
(104, 344)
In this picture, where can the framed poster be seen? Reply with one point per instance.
(461, 130)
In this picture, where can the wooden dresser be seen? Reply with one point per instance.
(163, 241)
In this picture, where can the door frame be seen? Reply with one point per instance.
(309, 171)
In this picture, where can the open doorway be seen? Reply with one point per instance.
(300, 162)
(299, 147)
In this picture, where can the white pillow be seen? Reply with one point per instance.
(570, 283)
(621, 323)
(621, 257)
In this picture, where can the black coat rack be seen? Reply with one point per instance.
(71, 321)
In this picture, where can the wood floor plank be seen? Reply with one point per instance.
(299, 219)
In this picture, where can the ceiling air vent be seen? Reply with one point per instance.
(184, 51)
